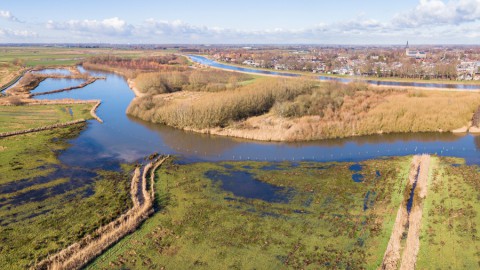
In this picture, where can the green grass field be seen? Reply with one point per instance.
(50, 56)
(44, 206)
(324, 224)
(14, 118)
(451, 218)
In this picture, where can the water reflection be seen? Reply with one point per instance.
(60, 71)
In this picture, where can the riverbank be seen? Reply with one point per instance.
(16, 77)
(364, 111)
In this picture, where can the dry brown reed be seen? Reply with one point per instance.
(220, 108)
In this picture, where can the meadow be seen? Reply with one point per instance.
(295, 216)
(15, 118)
(57, 56)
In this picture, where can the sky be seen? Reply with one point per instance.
(241, 22)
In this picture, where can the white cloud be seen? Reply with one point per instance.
(445, 25)
(111, 26)
(437, 12)
(8, 15)
(17, 33)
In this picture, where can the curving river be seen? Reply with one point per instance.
(125, 139)
(205, 61)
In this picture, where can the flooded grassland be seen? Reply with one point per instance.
(267, 215)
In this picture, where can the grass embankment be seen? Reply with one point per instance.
(451, 218)
(15, 118)
(324, 224)
(283, 109)
(46, 206)
(9, 73)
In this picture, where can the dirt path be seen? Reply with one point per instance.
(412, 246)
(408, 223)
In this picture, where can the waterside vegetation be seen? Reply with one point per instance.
(282, 109)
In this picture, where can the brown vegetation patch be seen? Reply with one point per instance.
(218, 109)
(132, 67)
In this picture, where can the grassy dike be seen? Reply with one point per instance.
(315, 218)
(45, 206)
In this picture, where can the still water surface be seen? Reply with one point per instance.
(125, 139)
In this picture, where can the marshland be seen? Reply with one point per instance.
(325, 197)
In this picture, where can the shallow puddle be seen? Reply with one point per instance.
(244, 184)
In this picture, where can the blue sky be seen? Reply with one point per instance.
(214, 21)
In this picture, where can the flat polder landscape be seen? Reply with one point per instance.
(145, 143)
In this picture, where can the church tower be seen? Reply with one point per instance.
(407, 49)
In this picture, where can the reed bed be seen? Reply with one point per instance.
(190, 80)
(221, 108)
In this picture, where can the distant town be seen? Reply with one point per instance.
(407, 61)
